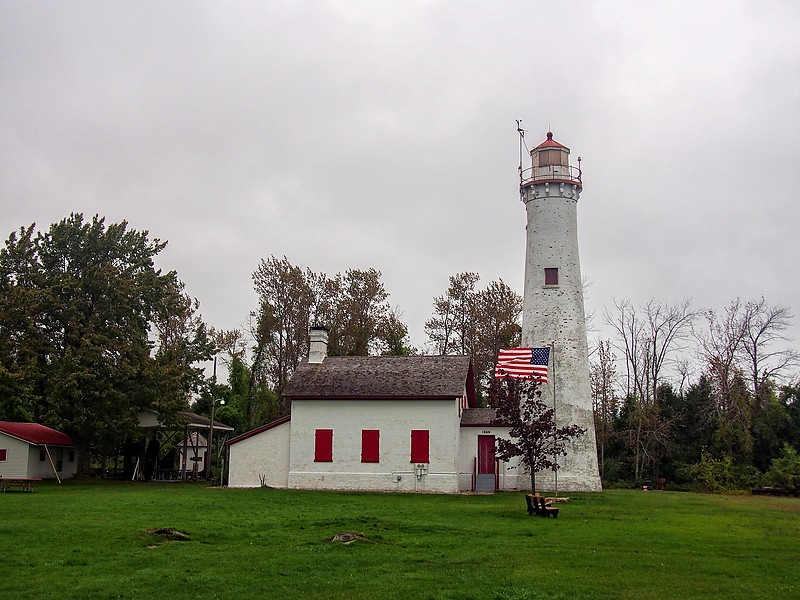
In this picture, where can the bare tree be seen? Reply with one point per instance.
(764, 328)
(721, 348)
(233, 342)
(744, 344)
(648, 338)
(605, 401)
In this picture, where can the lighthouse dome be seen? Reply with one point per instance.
(550, 163)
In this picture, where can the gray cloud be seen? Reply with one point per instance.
(349, 134)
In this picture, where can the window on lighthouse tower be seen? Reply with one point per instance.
(551, 276)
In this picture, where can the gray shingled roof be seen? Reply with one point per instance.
(383, 377)
(194, 420)
(477, 416)
(480, 416)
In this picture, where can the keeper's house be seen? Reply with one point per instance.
(383, 423)
(30, 450)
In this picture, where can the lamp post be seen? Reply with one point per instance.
(210, 441)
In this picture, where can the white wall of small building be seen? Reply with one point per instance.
(395, 419)
(44, 468)
(283, 456)
(25, 460)
(16, 463)
(510, 477)
(262, 459)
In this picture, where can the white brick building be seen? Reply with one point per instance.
(386, 423)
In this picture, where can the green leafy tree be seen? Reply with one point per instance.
(357, 311)
(476, 323)
(354, 307)
(281, 326)
(451, 329)
(392, 337)
(785, 470)
(23, 349)
(79, 304)
(183, 344)
(497, 310)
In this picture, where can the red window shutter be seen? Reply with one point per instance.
(551, 276)
(420, 445)
(370, 445)
(3, 454)
(323, 445)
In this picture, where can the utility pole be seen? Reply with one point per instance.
(209, 453)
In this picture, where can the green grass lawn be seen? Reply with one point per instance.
(90, 540)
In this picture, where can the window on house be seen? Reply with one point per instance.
(323, 445)
(420, 446)
(551, 276)
(370, 445)
(3, 454)
(72, 456)
(42, 454)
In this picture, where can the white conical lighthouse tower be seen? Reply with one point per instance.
(553, 311)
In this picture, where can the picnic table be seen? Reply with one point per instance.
(26, 484)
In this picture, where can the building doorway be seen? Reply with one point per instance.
(486, 476)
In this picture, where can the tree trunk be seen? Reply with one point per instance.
(533, 474)
(83, 462)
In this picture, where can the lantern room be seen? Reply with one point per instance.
(550, 163)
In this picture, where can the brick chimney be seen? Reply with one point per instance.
(318, 344)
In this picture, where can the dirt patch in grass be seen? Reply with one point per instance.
(348, 537)
(167, 534)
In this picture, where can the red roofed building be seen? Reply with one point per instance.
(33, 450)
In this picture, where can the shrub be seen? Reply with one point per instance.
(784, 471)
(722, 476)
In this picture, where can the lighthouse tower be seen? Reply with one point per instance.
(553, 311)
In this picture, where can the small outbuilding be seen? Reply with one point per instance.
(175, 451)
(31, 450)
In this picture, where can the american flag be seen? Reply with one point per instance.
(523, 362)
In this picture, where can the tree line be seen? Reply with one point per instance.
(91, 332)
(697, 397)
(355, 308)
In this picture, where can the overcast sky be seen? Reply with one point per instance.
(349, 134)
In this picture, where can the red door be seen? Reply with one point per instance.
(486, 455)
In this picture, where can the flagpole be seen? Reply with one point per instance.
(555, 424)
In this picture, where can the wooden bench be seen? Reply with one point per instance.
(538, 506)
(26, 484)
